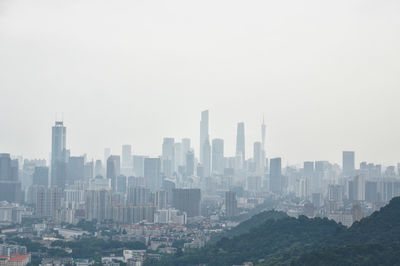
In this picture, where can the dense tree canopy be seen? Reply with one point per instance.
(273, 238)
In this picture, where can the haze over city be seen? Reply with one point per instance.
(199, 133)
(324, 75)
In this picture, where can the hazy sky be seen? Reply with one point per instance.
(326, 75)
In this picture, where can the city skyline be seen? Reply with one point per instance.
(119, 148)
(324, 85)
(179, 132)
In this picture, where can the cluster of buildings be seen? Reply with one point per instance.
(14, 255)
(181, 187)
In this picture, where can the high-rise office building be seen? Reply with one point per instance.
(5, 166)
(89, 174)
(203, 133)
(185, 149)
(178, 158)
(10, 187)
(107, 153)
(207, 158)
(113, 169)
(75, 169)
(126, 156)
(98, 205)
(138, 165)
(59, 155)
(187, 200)
(240, 142)
(161, 199)
(348, 163)
(121, 184)
(126, 164)
(98, 169)
(152, 173)
(230, 204)
(258, 158)
(190, 163)
(218, 156)
(275, 175)
(263, 152)
(48, 201)
(308, 169)
(41, 176)
(138, 195)
(168, 156)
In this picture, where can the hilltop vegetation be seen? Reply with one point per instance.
(273, 238)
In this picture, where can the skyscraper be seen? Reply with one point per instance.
(230, 204)
(308, 169)
(203, 133)
(218, 156)
(126, 159)
(88, 169)
(348, 163)
(107, 153)
(207, 158)
(98, 205)
(258, 158)
(240, 142)
(187, 200)
(98, 169)
(41, 176)
(263, 152)
(152, 174)
(168, 156)
(161, 199)
(75, 169)
(138, 195)
(113, 170)
(178, 157)
(138, 165)
(5, 166)
(10, 187)
(275, 175)
(190, 163)
(185, 148)
(48, 201)
(58, 155)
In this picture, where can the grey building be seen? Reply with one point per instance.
(203, 133)
(59, 155)
(218, 156)
(168, 156)
(187, 200)
(113, 169)
(275, 175)
(230, 204)
(152, 173)
(41, 176)
(348, 163)
(240, 143)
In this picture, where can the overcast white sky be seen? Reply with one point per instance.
(326, 75)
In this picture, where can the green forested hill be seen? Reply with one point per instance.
(272, 238)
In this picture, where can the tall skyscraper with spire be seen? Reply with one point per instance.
(240, 142)
(203, 133)
(58, 155)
